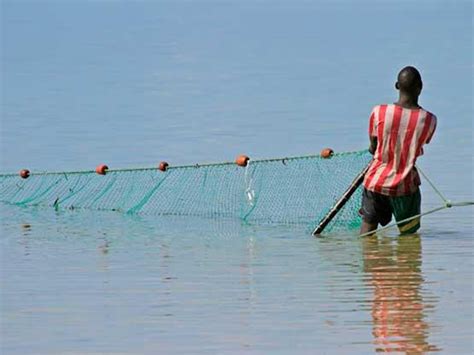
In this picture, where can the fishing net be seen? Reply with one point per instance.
(297, 190)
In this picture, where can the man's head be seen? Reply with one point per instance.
(409, 81)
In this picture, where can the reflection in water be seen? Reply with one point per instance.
(25, 233)
(398, 307)
(104, 246)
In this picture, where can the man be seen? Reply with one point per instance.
(397, 134)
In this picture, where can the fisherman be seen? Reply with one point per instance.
(397, 134)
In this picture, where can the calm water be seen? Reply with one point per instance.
(133, 83)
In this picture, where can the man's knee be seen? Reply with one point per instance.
(410, 226)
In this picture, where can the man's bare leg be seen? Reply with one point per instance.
(367, 227)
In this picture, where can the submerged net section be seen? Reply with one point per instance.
(297, 190)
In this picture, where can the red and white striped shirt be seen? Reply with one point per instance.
(401, 134)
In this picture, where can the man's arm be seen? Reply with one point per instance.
(372, 132)
(373, 145)
(432, 128)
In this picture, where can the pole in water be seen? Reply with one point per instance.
(341, 202)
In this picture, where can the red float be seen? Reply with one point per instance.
(101, 169)
(242, 160)
(25, 173)
(327, 153)
(163, 166)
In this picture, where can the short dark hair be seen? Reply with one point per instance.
(409, 80)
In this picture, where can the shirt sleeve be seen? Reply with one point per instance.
(372, 124)
(432, 128)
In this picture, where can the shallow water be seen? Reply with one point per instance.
(79, 282)
(133, 83)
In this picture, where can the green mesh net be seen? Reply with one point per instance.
(297, 190)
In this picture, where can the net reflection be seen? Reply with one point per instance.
(398, 307)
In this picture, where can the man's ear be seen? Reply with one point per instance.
(420, 88)
(397, 86)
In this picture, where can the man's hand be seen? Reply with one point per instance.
(373, 145)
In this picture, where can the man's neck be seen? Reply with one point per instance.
(407, 101)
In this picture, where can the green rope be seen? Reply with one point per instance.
(445, 200)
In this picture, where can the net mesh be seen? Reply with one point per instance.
(297, 190)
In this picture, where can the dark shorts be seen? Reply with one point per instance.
(378, 209)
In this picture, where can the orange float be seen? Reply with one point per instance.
(101, 169)
(24, 173)
(163, 166)
(327, 153)
(242, 160)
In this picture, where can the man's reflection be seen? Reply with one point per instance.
(398, 308)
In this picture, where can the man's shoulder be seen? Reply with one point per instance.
(377, 108)
(430, 114)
